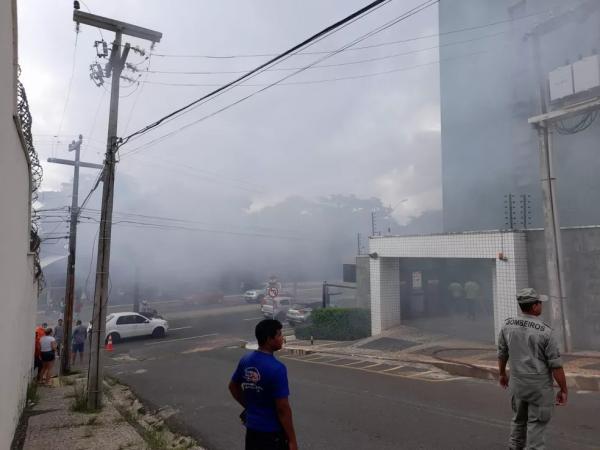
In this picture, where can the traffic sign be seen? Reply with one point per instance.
(273, 292)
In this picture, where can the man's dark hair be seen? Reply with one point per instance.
(266, 329)
(527, 307)
(78, 322)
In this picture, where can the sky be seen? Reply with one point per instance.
(373, 136)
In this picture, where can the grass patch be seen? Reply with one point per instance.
(67, 381)
(80, 401)
(32, 392)
(155, 439)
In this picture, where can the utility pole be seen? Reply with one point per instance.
(544, 123)
(115, 66)
(136, 290)
(70, 287)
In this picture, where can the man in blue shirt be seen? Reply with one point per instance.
(260, 385)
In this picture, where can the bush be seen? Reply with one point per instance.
(338, 324)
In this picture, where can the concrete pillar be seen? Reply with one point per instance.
(385, 294)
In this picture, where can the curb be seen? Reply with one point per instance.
(460, 368)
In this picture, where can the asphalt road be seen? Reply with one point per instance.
(334, 407)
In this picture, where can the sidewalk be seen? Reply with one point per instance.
(458, 357)
(51, 421)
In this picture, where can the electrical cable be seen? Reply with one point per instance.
(122, 215)
(69, 86)
(87, 197)
(163, 227)
(135, 101)
(327, 80)
(332, 28)
(382, 44)
(398, 19)
(562, 126)
(322, 66)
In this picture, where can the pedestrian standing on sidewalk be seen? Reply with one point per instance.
(530, 348)
(40, 332)
(260, 385)
(79, 337)
(59, 332)
(48, 349)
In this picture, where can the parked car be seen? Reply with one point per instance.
(130, 324)
(253, 296)
(276, 308)
(298, 314)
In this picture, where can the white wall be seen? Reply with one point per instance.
(17, 293)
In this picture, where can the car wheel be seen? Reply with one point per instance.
(158, 332)
(116, 338)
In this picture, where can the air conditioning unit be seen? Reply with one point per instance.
(586, 74)
(561, 83)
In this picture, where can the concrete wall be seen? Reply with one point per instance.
(16, 264)
(581, 248)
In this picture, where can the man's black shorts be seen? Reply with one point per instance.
(258, 440)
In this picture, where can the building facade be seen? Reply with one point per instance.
(17, 261)
(489, 89)
(463, 283)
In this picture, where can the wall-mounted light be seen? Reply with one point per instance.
(373, 255)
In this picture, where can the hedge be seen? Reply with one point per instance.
(338, 324)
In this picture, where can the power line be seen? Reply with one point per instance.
(322, 66)
(381, 44)
(135, 101)
(62, 118)
(160, 139)
(327, 80)
(208, 176)
(164, 227)
(277, 59)
(123, 215)
(96, 183)
(381, 28)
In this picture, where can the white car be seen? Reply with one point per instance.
(253, 296)
(276, 308)
(130, 324)
(298, 314)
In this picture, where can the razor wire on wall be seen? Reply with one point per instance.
(25, 121)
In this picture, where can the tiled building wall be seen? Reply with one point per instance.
(385, 294)
(510, 271)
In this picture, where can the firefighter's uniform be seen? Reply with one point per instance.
(532, 352)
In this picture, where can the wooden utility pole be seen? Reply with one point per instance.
(65, 357)
(115, 65)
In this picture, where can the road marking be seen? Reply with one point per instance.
(179, 328)
(182, 339)
(440, 377)
(372, 365)
(254, 318)
(353, 363)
